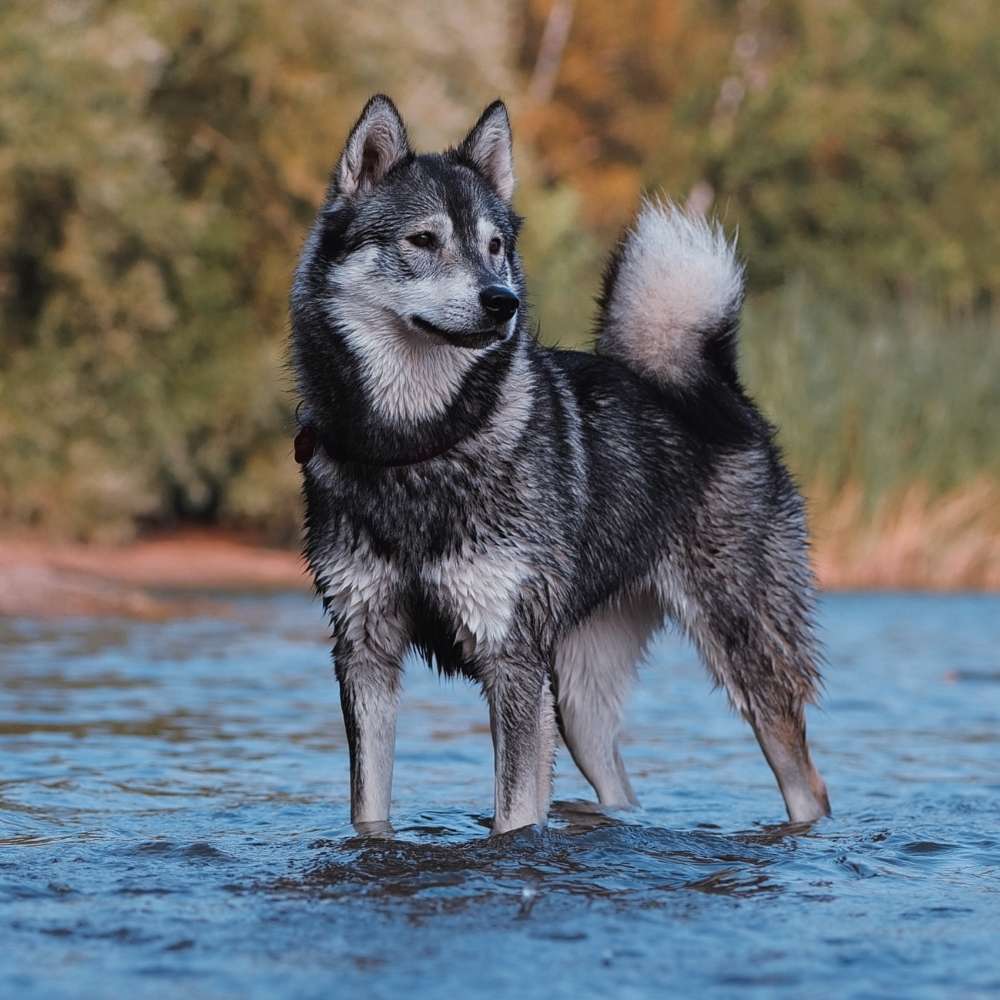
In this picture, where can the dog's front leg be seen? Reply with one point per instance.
(522, 725)
(369, 696)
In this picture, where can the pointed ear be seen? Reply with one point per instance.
(489, 148)
(376, 144)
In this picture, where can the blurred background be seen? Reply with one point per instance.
(160, 163)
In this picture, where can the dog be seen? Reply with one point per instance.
(525, 516)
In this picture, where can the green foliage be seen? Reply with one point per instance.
(563, 263)
(855, 142)
(864, 152)
(159, 164)
(880, 397)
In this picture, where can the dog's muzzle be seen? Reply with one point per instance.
(499, 306)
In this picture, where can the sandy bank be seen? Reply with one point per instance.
(40, 578)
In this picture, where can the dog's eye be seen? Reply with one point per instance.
(496, 245)
(423, 240)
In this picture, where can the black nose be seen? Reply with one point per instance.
(500, 302)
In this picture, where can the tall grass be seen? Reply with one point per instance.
(890, 417)
(880, 397)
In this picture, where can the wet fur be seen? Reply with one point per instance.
(573, 502)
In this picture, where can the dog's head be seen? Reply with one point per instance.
(424, 243)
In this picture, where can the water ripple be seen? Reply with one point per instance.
(173, 816)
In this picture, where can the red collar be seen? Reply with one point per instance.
(309, 438)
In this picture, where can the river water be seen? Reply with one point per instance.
(174, 821)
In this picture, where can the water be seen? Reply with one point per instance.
(173, 817)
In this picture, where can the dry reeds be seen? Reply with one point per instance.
(914, 540)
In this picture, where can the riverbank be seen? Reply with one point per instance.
(152, 578)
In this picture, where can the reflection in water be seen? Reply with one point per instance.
(173, 811)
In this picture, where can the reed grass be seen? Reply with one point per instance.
(889, 415)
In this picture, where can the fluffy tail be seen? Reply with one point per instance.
(672, 294)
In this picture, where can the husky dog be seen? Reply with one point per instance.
(525, 516)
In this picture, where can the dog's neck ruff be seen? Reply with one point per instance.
(309, 437)
(338, 418)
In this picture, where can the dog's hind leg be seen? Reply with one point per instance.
(782, 737)
(769, 684)
(594, 668)
(755, 637)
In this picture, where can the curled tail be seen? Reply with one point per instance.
(672, 295)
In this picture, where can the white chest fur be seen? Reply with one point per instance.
(478, 591)
(362, 590)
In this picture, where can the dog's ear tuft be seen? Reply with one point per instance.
(489, 148)
(376, 144)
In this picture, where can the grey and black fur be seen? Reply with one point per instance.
(525, 516)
